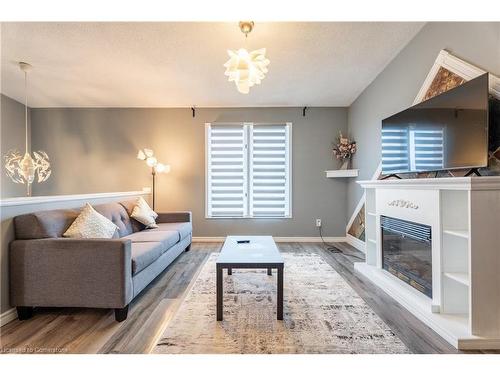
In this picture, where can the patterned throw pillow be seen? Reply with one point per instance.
(144, 214)
(91, 224)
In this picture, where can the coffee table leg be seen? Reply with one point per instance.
(280, 293)
(219, 292)
(229, 271)
(269, 272)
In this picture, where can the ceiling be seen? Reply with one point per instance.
(180, 64)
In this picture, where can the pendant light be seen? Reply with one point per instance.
(22, 169)
(244, 68)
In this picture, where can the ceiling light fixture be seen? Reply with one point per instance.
(23, 169)
(245, 68)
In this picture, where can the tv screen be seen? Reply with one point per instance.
(448, 131)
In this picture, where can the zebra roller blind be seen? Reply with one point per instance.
(248, 170)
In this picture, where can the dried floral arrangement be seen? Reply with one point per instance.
(344, 149)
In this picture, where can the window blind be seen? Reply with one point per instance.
(269, 160)
(227, 170)
(248, 170)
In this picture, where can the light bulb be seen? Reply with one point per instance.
(28, 168)
(151, 161)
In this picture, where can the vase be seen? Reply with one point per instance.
(345, 165)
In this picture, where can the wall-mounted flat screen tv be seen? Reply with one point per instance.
(449, 131)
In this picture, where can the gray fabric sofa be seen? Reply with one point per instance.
(48, 270)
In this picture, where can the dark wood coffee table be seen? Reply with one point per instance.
(259, 252)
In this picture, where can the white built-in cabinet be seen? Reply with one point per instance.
(464, 214)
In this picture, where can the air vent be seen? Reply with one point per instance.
(416, 231)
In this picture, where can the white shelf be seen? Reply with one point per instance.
(371, 214)
(461, 277)
(457, 233)
(452, 327)
(338, 173)
(372, 241)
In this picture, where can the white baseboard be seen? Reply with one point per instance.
(309, 239)
(208, 239)
(278, 239)
(355, 242)
(8, 316)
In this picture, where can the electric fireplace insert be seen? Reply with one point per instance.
(407, 252)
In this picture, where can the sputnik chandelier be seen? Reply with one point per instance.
(245, 68)
(22, 169)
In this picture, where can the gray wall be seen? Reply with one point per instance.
(94, 150)
(12, 137)
(398, 84)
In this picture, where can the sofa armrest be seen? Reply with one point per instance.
(71, 272)
(174, 217)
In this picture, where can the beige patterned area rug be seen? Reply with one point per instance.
(322, 314)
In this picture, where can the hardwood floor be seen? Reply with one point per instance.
(77, 330)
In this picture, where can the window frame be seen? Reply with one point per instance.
(248, 162)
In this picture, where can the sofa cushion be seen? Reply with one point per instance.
(91, 224)
(184, 229)
(144, 214)
(167, 238)
(118, 215)
(129, 207)
(44, 224)
(144, 254)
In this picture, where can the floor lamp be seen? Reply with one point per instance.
(147, 155)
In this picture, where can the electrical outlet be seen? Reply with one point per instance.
(318, 223)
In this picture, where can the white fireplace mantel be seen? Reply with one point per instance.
(464, 216)
(447, 183)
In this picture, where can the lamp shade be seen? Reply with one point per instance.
(162, 168)
(141, 155)
(246, 69)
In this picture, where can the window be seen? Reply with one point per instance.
(248, 170)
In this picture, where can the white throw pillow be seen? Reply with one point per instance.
(91, 224)
(144, 214)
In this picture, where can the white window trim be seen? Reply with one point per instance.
(288, 161)
(247, 182)
(208, 213)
